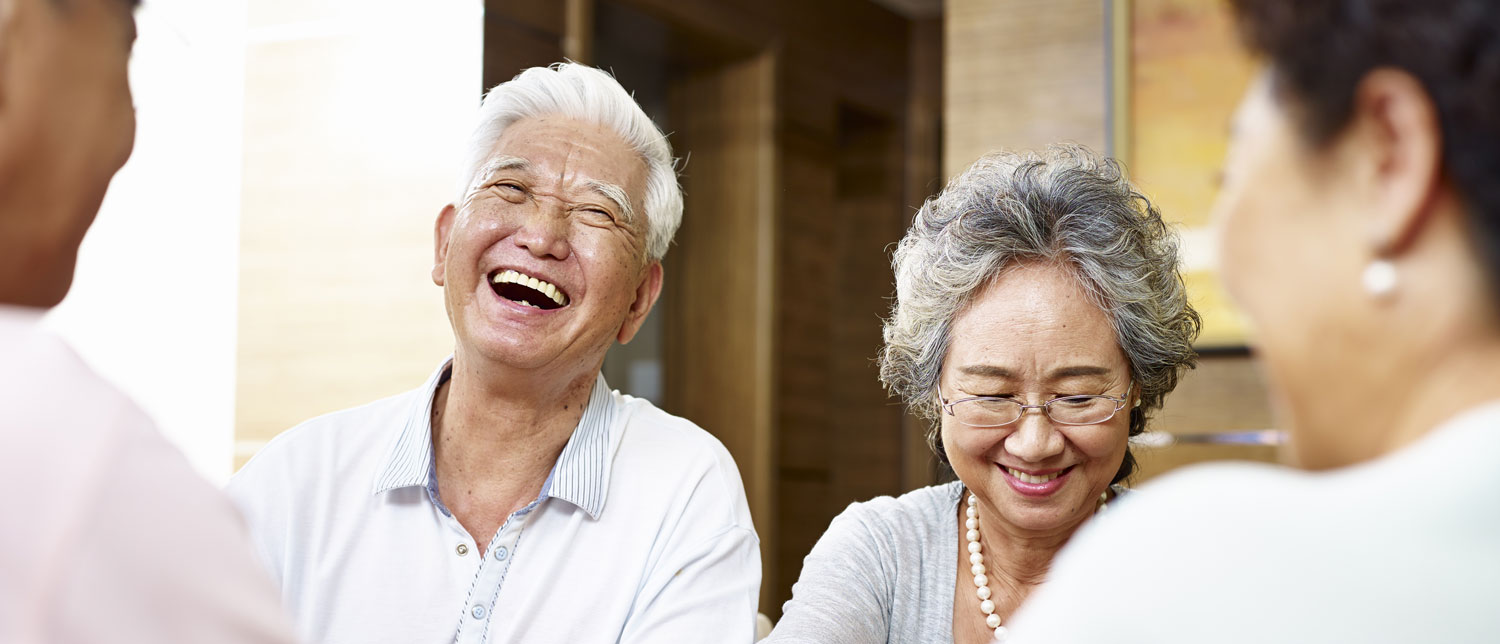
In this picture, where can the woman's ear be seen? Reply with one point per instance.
(1400, 139)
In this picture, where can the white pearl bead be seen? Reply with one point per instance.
(981, 582)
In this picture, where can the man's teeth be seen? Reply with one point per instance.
(542, 286)
(1027, 478)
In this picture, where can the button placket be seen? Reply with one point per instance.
(490, 576)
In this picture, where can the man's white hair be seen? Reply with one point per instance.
(587, 94)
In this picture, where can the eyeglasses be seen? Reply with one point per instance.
(992, 411)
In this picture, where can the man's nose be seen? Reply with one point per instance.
(543, 230)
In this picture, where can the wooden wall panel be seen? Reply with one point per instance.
(1019, 74)
(1224, 394)
(924, 159)
(804, 357)
(534, 33)
(867, 424)
(841, 437)
(718, 356)
(838, 126)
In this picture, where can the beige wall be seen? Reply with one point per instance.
(1024, 73)
(352, 117)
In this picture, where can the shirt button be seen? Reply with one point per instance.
(462, 549)
(501, 553)
(478, 612)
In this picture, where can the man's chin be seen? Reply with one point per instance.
(510, 353)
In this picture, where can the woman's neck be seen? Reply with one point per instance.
(1454, 384)
(1017, 557)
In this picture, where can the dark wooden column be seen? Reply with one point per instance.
(530, 33)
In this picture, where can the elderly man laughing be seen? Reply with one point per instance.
(514, 497)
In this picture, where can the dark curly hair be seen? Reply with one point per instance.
(1319, 50)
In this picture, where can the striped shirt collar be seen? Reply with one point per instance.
(580, 476)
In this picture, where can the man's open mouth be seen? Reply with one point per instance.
(525, 289)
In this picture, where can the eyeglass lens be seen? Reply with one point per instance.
(1073, 410)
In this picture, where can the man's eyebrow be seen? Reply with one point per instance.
(495, 165)
(503, 163)
(616, 194)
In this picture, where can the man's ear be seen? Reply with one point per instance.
(645, 297)
(1402, 141)
(440, 234)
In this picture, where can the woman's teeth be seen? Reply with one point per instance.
(1027, 478)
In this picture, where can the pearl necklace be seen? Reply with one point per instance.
(976, 557)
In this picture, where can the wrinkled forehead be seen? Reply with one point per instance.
(570, 152)
(1032, 321)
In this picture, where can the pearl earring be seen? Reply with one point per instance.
(1379, 278)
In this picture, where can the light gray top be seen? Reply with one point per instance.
(883, 572)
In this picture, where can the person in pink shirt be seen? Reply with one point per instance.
(106, 533)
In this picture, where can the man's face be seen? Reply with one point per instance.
(557, 202)
(67, 124)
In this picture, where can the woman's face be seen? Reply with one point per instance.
(1033, 335)
(1291, 249)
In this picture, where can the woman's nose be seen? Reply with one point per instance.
(1035, 438)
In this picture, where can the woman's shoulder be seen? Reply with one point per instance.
(919, 515)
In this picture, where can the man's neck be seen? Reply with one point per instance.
(496, 440)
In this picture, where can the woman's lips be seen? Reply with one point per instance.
(1035, 485)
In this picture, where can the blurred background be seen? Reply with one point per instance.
(264, 257)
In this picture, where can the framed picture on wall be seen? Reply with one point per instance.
(1176, 74)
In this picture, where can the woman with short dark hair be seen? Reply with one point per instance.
(1360, 219)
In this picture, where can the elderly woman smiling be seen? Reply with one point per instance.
(1039, 317)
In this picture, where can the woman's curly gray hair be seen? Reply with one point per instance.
(1066, 205)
